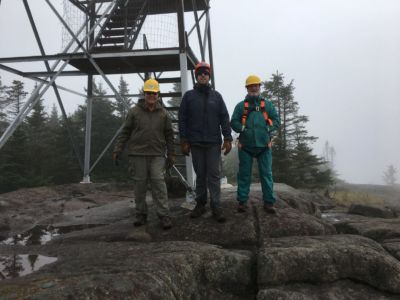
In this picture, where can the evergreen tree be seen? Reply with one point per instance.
(38, 143)
(13, 162)
(294, 162)
(15, 97)
(3, 105)
(390, 175)
(122, 106)
(62, 162)
(63, 165)
(282, 98)
(13, 155)
(329, 155)
(54, 120)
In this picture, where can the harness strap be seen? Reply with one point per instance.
(246, 113)
(264, 112)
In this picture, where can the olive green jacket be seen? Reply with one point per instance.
(147, 133)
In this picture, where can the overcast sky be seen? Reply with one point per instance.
(343, 55)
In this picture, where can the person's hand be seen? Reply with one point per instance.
(115, 158)
(269, 145)
(227, 146)
(185, 148)
(170, 161)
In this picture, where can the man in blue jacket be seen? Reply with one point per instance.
(256, 119)
(202, 118)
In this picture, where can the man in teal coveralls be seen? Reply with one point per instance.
(256, 119)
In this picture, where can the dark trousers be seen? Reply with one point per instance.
(206, 164)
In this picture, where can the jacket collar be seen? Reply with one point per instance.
(142, 104)
(253, 99)
(204, 89)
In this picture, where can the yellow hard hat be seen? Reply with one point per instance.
(253, 79)
(151, 85)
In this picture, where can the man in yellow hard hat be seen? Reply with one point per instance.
(255, 119)
(203, 118)
(149, 135)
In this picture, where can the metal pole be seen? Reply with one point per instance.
(210, 53)
(89, 102)
(190, 175)
(88, 131)
(22, 74)
(196, 17)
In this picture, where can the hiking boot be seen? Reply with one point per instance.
(198, 211)
(218, 215)
(269, 208)
(166, 222)
(242, 207)
(140, 220)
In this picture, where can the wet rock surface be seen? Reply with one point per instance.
(343, 289)
(372, 211)
(393, 247)
(322, 259)
(95, 252)
(373, 228)
(165, 270)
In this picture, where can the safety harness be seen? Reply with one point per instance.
(258, 108)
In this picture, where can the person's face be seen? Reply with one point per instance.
(253, 89)
(203, 76)
(150, 98)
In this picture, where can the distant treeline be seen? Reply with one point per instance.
(40, 152)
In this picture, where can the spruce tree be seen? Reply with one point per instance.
(3, 105)
(122, 105)
(390, 175)
(14, 154)
(294, 163)
(38, 143)
(14, 161)
(15, 96)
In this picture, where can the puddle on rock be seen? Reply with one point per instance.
(330, 217)
(20, 265)
(40, 235)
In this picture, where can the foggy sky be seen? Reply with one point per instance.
(344, 58)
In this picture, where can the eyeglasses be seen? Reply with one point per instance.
(205, 73)
(151, 93)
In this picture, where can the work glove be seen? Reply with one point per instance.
(227, 146)
(116, 157)
(185, 148)
(170, 161)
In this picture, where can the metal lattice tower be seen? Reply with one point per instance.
(104, 37)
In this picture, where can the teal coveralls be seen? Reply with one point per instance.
(253, 143)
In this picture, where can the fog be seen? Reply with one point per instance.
(344, 58)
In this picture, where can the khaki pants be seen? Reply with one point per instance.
(151, 169)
